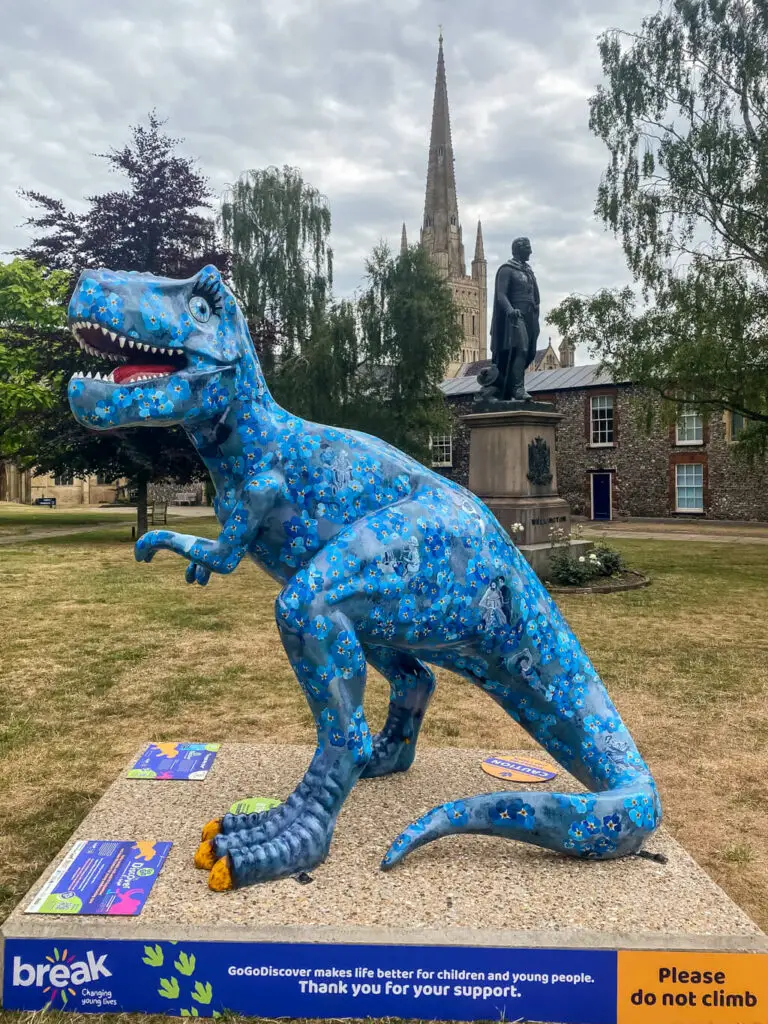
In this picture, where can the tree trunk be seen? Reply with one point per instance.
(141, 506)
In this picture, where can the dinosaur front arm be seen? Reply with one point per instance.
(224, 554)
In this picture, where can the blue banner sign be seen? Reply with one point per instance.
(311, 980)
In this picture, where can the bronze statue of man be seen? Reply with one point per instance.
(515, 322)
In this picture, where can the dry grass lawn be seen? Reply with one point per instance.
(100, 654)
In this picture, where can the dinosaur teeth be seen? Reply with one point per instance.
(88, 375)
(154, 351)
(122, 342)
(112, 335)
(130, 343)
(104, 330)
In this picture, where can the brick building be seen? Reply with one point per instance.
(608, 465)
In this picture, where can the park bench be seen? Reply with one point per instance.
(157, 513)
(185, 498)
(49, 502)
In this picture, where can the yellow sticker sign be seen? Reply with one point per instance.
(692, 988)
(519, 769)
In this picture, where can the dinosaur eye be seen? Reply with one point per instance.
(199, 308)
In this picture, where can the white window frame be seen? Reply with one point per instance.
(444, 445)
(602, 444)
(684, 415)
(592, 475)
(68, 475)
(687, 465)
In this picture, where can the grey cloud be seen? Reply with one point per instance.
(342, 89)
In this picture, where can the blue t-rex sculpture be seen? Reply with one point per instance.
(382, 562)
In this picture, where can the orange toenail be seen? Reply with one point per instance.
(211, 828)
(220, 878)
(205, 857)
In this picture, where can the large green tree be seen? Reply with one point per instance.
(409, 332)
(373, 363)
(158, 223)
(31, 310)
(277, 227)
(683, 112)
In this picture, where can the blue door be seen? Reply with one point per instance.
(601, 495)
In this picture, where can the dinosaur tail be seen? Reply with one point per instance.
(609, 824)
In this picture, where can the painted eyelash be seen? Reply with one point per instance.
(210, 295)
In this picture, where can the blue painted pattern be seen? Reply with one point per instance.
(383, 562)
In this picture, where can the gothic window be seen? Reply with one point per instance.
(474, 324)
(64, 479)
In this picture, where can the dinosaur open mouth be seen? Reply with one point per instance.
(137, 360)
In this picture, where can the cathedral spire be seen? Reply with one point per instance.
(404, 241)
(479, 248)
(441, 231)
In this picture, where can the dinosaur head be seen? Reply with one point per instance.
(165, 351)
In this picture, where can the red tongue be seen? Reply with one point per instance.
(127, 373)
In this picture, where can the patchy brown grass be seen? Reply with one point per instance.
(100, 654)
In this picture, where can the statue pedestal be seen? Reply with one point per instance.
(513, 469)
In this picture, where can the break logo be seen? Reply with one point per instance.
(59, 972)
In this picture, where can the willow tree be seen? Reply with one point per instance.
(277, 226)
(683, 113)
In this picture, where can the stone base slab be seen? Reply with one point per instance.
(479, 905)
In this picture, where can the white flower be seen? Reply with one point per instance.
(582, 558)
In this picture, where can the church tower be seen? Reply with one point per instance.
(441, 232)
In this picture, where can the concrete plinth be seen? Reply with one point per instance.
(469, 898)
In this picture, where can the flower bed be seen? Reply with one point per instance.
(601, 571)
(628, 580)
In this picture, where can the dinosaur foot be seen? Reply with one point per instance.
(390, 754)
(234, 861)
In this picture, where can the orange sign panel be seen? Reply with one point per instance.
(692, 988)
(519, 769)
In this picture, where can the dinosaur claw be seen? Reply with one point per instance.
(205, 857)
(220, 877)
(211, 828)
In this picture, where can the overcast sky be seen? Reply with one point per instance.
(340, 88)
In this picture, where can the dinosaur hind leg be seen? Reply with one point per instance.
(567, 709)
(329, 662)
(411, 686)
